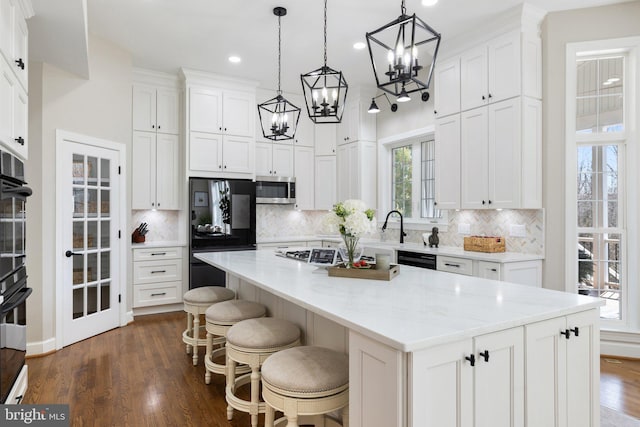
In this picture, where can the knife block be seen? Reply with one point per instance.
(136, 237)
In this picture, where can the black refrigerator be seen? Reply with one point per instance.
(223, 218)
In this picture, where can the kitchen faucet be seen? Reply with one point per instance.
(402, 233)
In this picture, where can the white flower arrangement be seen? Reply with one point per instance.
(350, 218)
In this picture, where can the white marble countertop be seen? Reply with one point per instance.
(158, 244)
(418, 309)
(502, 257)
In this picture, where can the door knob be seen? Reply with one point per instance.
(69, 254)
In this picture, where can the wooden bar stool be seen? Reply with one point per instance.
(251, 342)
(219, 318)
(196, 302)
(305, 381)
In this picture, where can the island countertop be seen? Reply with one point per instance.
(416, 310)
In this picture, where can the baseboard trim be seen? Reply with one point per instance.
(622, 344)
(158, 309)
(41, 348)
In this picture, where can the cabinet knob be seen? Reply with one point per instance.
(566, 333)
(220, 128)
(158, 204)
(495, 270)
(483, 202)
(435, 112)
(225, 166)
(219, 166)
(225, 129)
(435, 203)
(483, 97)
(153, 126)
(153, 204)
(485, 355)
(489, 201)
(158, 126)
(490, 96)
(19, 140)
(333, 150)
(576, 331)
(20, 63)
(471, 359)
(270, 172)
(275, 172)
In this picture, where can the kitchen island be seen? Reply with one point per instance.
(438, 349)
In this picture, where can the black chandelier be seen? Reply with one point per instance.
(325, 89)
(403, 54)
(374, 109)
(279, 117)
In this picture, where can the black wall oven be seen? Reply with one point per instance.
(13, 272)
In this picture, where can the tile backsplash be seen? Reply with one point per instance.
(163, 225)
(283, 221)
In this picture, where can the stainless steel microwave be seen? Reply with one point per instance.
(279, 190)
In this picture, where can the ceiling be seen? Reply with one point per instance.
(165, 35)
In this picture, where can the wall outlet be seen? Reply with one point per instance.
(464, 228)
(517, 230)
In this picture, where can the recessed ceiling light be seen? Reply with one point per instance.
(234, 59)
(359, 45)
(429, 2)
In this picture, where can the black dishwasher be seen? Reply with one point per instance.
(417, 259)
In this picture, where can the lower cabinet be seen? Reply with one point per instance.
(157, 276)
(563, 371)
(520, 272)
(476, 382)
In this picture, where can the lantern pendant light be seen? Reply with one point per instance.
(325, 89)
(403, 54)
(278, 117)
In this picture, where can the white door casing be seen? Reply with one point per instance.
(90, 214)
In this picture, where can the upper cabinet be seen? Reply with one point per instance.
(225, 112)
(156, 109)
(14, 39)
(325, 139)
(356, 124)
(447, 88)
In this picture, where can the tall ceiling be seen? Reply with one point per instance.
(165, 35)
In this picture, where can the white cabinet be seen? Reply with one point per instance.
(563, 371)
(211, 153)
(357, 175)
(325, 182)
(305, 177)
(14, 40)
(220, 111)
(477, 382)
(520, 272)
(500, 155)
(325, 139)
(489, 270)
(274, 159)
(447, 142)
(356, 124)
(155, 171)
(447, 88)
(156, 109)
(157, 276)
(455, 265)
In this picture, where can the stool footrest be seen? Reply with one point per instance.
(220, 369)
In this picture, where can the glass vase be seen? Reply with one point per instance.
(350, 251)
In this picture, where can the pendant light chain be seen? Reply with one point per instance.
(279, 54)
(325, 33)
(403, 9)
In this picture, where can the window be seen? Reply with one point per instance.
(600, 95)
(413, 180)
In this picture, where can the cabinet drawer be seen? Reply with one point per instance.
(455, 265)
(157, 271)
(489, 270)
(157, 294)
(149, 254)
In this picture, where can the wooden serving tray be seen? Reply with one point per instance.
(365, 273)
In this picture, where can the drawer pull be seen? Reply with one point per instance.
(159, 294)
(494, 269)
(452, 265)
(158, 271)
(158, 253)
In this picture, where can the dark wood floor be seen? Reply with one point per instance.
(140, 375)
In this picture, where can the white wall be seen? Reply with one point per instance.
(99, 107)
(411, 115)
(560, 28)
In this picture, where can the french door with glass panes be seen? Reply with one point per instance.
(90, 224)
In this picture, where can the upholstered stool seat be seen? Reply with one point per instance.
(305, 381)
(251, 342)
(196, 302)
(219, 318)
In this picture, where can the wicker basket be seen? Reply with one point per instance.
(484, 244)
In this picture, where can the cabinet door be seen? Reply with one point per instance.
(305, 131)
(473, 78)
(237, 154)
(144, 108)
(474, 145)
(264, 159)
(167, 171)
(143, 167)
(21, 49)
(504, 154)
(546, 365)
(304, 173)
(344, 127)
(504, 67)
(448, 162)
(343, 173)
(499, 379)
(366, 158)
(205, 152)
(7, 11)
(20, 121)
(447, 88)
(239, 110)
(205, 110)
(168, 111)
(7, 89)
(282, 160)
(325, 182)
(325, 139)
(442, 392)
(488, 270)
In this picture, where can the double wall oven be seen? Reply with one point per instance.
(223, 218)
(13, 274)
